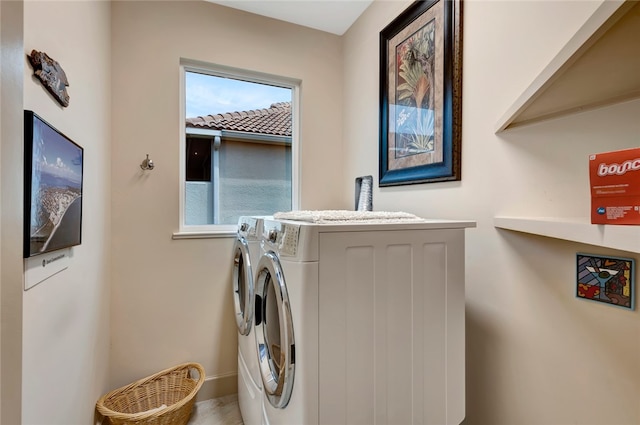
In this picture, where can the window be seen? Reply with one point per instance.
(239, 148)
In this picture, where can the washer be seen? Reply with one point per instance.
(361, 322)
(246, 253)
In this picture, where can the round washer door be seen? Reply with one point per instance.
(242, 286)
(274, 331)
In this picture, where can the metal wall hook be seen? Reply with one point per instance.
(147, 164)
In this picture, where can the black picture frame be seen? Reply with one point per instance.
(53, 177)
(421, 95)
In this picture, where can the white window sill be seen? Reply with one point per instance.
(204, 234)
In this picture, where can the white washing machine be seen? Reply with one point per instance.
(246, 253)
(361, 322)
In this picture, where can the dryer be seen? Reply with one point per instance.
(361, 322)
(246, 253)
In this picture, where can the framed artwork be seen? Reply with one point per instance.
(53, 188)
(608, 280)
(421, 94)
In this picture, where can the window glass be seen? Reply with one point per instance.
(198, 159)
(238, 148)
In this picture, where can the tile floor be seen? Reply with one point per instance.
(218, 411)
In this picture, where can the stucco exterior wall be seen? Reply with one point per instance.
(254, 179)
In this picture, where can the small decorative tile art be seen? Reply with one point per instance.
(608, 280)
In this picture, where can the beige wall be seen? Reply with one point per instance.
(171, 299)
(66, 318)
(11, 106)
(535, 353)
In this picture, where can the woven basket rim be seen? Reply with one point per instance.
(105, 411)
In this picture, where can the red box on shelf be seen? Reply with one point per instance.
(615, 187)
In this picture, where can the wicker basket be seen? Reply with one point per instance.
(138, 402)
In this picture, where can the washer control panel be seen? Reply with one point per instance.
(248, 227)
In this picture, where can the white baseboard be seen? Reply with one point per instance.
(218, 386)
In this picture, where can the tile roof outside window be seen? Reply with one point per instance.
(275, 120)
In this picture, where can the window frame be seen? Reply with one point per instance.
(186, 65)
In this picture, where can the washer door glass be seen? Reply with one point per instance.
(242, 286)
(274, 331)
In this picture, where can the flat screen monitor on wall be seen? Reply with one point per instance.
(53, 188)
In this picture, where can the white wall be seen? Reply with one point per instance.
(66, 318)
(171, 299)
(535, 353)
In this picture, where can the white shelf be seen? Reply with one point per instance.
(624, 238)
(599, 66)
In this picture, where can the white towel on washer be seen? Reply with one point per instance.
(346, 216)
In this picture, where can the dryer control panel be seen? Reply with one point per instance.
(289, 241)
(282, 237)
